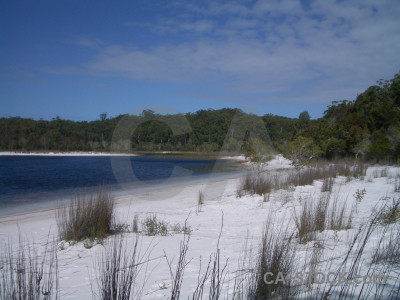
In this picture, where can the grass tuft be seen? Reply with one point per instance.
(275, 258)
(305, 223)
(28, 274)
(135, 224)
(117, 269)
(256, 184)
(86, 218)
(390, 213)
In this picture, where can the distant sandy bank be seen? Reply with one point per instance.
(51, 153)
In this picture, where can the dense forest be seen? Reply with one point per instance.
(368, 128)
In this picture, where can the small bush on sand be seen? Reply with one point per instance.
(178, 228)
(91, 218)
(153, 226)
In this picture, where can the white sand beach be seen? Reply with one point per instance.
(243, 220)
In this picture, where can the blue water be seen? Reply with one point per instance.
(34, 179)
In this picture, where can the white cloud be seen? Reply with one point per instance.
(331, 50)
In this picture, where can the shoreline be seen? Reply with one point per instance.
(53, 200)
(155, 196)
(189, 154)
(55, 153)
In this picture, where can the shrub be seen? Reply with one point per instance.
(359, 195)
(152, 226)
(178, 228)
(302, 151)
(86, 218)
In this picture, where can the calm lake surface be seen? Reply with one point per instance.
(31, 182)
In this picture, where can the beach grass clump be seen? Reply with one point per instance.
(350, 168)
(256, 184)
(305, 177)
(27, 274)
(381, 269)
(200, 201)
(117, 268)
(214, 274)
(327, 184)
(388, 249)
(396, 188)
(390, 213)
(320, 215)
(87, 218)
(261, 184)
(337, 215)
(178, 275)
(382, 172)
(275, 259)
(135, 224)
(305, 224)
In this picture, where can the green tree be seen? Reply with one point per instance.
(304, 119)
(302, 151)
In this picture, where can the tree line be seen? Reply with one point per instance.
(207, 131)
(368, 127)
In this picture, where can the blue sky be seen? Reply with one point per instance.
(77, 59)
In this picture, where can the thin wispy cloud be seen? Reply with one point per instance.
(266, 47)
(91, 43)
